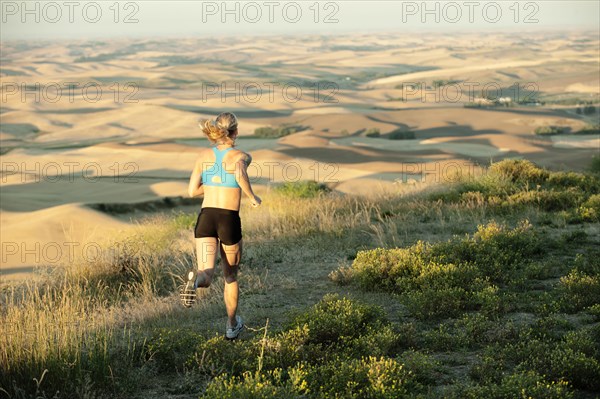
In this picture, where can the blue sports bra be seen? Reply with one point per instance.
(216, 175)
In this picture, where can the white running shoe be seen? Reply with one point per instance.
(233, 333)
(188, 292)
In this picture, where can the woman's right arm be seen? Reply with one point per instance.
(241, 176)
(195, 187)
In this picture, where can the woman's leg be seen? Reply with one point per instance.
(206, 255)
(230, 260)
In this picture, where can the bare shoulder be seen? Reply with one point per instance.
(239, 155)
(204, 155)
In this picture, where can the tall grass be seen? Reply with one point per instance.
(69, 327)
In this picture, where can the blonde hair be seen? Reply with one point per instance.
(221, 129)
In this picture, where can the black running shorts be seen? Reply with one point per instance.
(224, 224)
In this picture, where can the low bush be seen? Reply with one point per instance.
(401, 135)
(372, 132)
(302, 189)
(437, 303)
(469, 331)
(276, 132)
(512, 185)
(589, 211)
(168, 348)
(337, 320)
(529, 384)
(519, 171)
(447, 278)
(444, 82)
(548, 130)
(595, 164)
(267, 385)
(546, 200)
(370, 377)
(558, 358)
(579, 290)
(337, 348)
(590, 129)
(573, 180)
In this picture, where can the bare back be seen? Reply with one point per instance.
(221, 197)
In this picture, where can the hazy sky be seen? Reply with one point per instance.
(110, 18)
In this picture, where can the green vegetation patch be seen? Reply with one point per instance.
(400, 134)
(302, 189)
(512, 185)
(590, 129)
(549, 130)
(337, 348)
(276, 132)
(448, 278)
(372, 132)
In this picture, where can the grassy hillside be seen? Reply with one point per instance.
(486, 288)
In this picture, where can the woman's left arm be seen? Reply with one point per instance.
(195, 187)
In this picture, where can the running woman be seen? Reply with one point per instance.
(220, 174)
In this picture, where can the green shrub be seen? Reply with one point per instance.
(335, 349)
(380, 268)
(302, 189)
(443, 82)
(371, 377)
(184, 221)
(447, 278)
(571, 356)
(589, 211)
(528, 384)
(444, 338)
(568, 180)
(495, 250)
(519, 171)
(400, 134)
(586, 341)
(217, 355)
(376, 341)
(491, 184)
(425, 368)
(549, 130)
(169, 348)
(594, 311)
(595, 165)
(580, 370)
(335, 320)
(589, 110)
(488, 301)
(590, 129)
(283, 130)
(490, 366)
(372, 132)
(579, 290)
(588, 262)
(511, 185)
(289, 347)
(267, 132)
(547, 200)
(469, 331)
(267, 385)
(437, 303)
